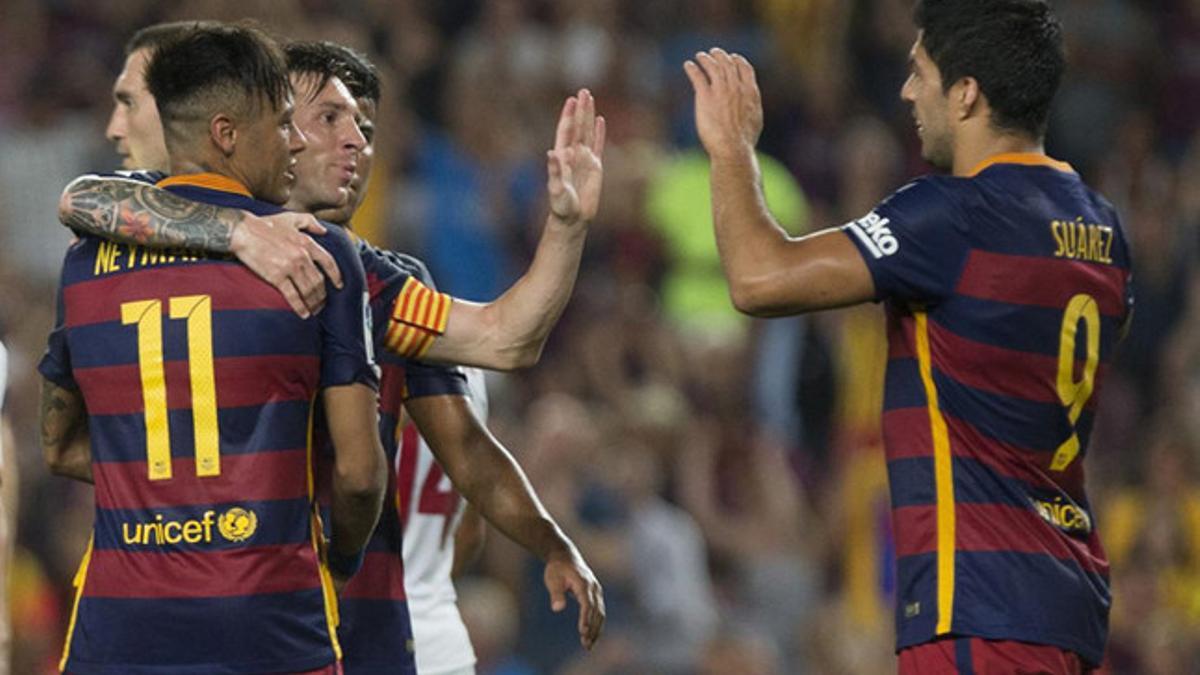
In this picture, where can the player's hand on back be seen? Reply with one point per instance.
(275, 248)
(574, 165)
(567, 572)
(729, 116)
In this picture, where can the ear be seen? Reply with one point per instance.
(222, 131)
(966, 98)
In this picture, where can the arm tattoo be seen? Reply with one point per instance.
(63, 415)
(136, 213)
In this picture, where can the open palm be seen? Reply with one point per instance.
(574, 166)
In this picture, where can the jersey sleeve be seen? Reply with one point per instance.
(347, 354)
(914, 243)
(55, 365)
(416, 312)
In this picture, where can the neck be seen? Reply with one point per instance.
(187, 163)
(975, 148)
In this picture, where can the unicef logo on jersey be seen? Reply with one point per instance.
(872, 230)
(237, 524)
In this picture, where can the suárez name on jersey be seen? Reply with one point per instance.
(873, 232)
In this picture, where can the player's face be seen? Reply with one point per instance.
(358, 186)
(267, 149)
(930, 106)
(134, 127)
(326, 167)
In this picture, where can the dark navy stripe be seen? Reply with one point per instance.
(916, 598)
(284, 521)
(284, 632)
(376, 636)
(236, 332)
(1025, 328)
(1031, 598)
(903, 387)
(962, 656)
(274, 426)
(1032, 425)
(912, 484)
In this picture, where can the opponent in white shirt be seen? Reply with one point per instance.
(434, 515)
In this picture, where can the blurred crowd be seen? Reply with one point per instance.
(724, 477)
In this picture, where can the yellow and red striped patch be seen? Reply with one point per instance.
(418, 317)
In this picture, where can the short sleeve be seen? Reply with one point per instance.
(914, 243)
(55, 365)
(347, 354)
(417, 313)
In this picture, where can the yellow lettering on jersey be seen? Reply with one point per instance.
(106, 258)
(131, 256)
(172, 532)
(1077, 240)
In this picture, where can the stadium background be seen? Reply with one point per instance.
(723, 477)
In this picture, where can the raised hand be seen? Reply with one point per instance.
(568, 573)
(574, 166)
(729, 116)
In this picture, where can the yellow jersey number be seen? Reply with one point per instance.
(147, 316)
(1074, 394)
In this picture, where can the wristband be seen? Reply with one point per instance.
(344, 566)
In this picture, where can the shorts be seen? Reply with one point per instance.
(976, 656)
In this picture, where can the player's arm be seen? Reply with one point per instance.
(349, 390)
(135, 212)
(359, 475)
(769, 273)
(66, 445)
(468, 541)
(510, 331)
(490, 479)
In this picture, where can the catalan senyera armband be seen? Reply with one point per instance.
(418, 317)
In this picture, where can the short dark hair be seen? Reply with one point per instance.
(1013, 49)
(236, 66)
(154, 36)
(326, 60)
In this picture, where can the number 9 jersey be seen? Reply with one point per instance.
(200, 385)
(1006, 294)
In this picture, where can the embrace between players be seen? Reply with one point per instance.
(213, 371)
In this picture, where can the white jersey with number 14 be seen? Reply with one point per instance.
(434, 509)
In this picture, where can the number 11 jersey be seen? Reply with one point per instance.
(200, 385)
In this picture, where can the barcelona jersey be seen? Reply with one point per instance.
(1006, 293)
(376, 629)
(200, 385)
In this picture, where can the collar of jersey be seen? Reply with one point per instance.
(208, 181)
(1023, 158)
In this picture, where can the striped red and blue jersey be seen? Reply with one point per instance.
(200, 385)
(376, 629)
(1006, 293)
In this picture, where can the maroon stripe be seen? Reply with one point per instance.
(232, 287)
(240, 381)
(916, 529)
(901, 336)
(1008, 372)
(1013, 461)
(996, 527)
(1042, 282)
(993, 527)
(115, 573)
(260, 476)
(381, 578)
(391, 388)
(906, 433)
